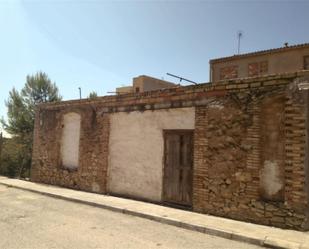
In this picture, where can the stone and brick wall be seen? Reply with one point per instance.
(250, 145)
(249, 158)
(93, 150)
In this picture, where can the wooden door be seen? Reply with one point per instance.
(178, 160)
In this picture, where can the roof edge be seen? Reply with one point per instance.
(156, 93)
(261, 52)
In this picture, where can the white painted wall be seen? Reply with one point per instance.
(136, 149)
(270, 178)
(70, 140)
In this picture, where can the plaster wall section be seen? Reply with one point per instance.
(136, 148)
(70, 140)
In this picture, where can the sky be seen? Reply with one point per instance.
(100, 45)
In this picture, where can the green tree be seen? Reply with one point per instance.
(93, 95)
(21, 114)
(11, 157)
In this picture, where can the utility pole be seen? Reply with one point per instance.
(239, 35)
(80, 93)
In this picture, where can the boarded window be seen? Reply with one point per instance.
(70, 140)
(257, 68)
(306, 62)
(230, 72)
(273, 149)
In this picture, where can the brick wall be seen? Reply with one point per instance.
(236, 139)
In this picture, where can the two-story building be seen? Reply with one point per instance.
(273, 61)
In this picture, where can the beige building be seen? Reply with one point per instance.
(273, 61)
(144, 83)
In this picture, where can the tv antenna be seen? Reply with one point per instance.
(239, 35)
(181, 78)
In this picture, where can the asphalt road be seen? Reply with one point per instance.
(29, 220)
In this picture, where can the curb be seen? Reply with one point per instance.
(266, 241)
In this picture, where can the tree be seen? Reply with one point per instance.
(93, 95)
(21, 114)
(11, 157)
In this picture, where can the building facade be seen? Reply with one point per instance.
(238, 149)
(144, 83)
(267, 62)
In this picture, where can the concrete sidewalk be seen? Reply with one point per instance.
(227, 228)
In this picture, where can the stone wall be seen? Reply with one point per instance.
(250, 145)
(93, 150)
(243, 146)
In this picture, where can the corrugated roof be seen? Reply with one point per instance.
(262, 52)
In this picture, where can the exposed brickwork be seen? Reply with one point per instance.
(272, 151)
(230, 145)
(295, 155)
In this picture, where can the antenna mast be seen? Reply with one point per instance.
(181, 78)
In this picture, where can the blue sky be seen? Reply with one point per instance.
(99, 45)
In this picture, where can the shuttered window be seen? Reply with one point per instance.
(229, 72)
(257, 68)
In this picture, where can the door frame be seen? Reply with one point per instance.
(167, 202)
